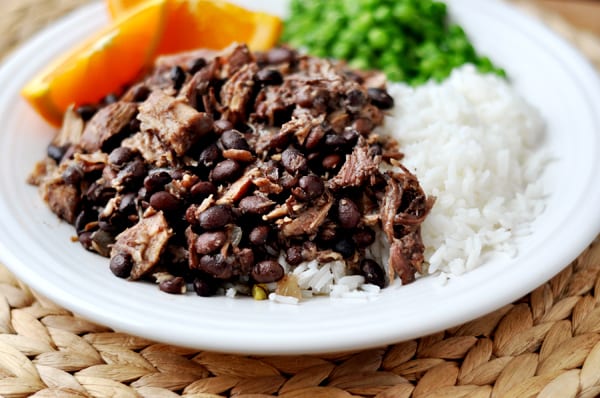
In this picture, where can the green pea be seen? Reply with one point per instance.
(359, 63)
(352, 7)
(394, 73)
(319, 52)
(259, 293)
(378, 38)
(341, 49)
(438, 10)
(363, 23)
(404, 12)
(388, 60)
(367, 4)
(382, 13)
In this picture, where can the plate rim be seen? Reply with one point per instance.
(327, 345)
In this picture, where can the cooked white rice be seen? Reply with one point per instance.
(473, 143)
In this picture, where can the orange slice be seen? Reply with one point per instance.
(120, 7)
(104, 64)
(210, 24)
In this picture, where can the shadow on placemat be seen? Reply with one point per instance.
(546, 344)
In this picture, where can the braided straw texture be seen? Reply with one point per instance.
(545, 345)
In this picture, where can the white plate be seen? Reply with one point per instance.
(545, 69)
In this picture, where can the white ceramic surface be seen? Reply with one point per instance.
(36, 246)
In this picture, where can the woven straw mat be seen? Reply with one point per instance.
(547, 344)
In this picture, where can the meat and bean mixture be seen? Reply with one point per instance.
(216, 167)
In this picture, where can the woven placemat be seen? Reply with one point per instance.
(547, 344)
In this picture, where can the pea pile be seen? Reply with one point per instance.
(409, 40)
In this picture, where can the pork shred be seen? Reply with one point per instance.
(216, 166)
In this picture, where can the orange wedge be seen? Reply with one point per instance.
(120, 7)
(211, 24)
(104, 64)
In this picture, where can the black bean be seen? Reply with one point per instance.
(177, 173)
(216, 266)
(173, 286)
(86, 112)
(103, 240)
(177, 75)
(348, 213)
(363, 125)
(233, 139)
(345, 247)
(56, 152)
(271, 170)
(202, 189)
(204, 287)
(364, 237)
(245, 259)
(127, 203)
(259, 235)
(208, 242)
(99, 194)
(279, 140)
(335, 140)
(268, 77)
(350, 136)
(294, 161)
(120, 221)
(105, 225)
(73, 175)
(255, 204)
(314, 138)
(313, 185)
(222, 125)
(163, 200)
(355, 100)
(140, 93)
(156, 181)
(300, 194)
(132, 173)
(134, 125)
(84, 217)
(293, 255)
(215, 217)
(287, 181)
(120, 156)
(331, 161)
(380, 98)
(304, 98)
(121, 264)
(227, 170)
(280, 55)
(355, 77)
(372, 272)
(320, 100)
(85, 238)
(196, 65)
(267, 271)
(375, 150)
